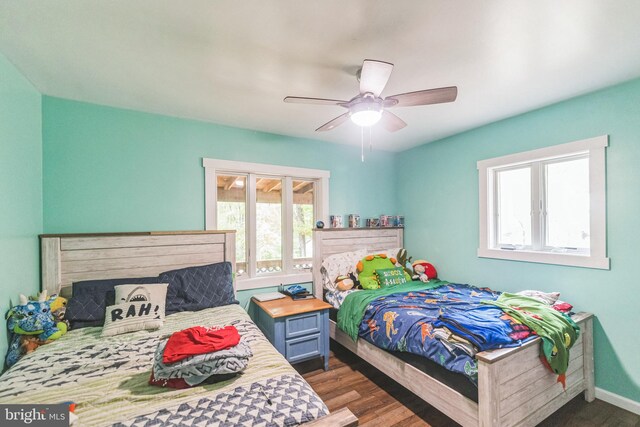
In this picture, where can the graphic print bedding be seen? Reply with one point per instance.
(425, 319)
(108, 379)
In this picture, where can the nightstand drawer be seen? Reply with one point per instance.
(302, 325)
(302, 348)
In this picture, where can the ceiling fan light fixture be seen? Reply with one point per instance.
(366, 118)
(366, 114)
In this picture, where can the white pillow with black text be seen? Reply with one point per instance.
(138, 307)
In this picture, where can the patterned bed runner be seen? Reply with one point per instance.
(292, 402)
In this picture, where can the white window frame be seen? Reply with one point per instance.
(213, 167)
(594, 148)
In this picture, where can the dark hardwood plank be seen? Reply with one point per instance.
(377, 400)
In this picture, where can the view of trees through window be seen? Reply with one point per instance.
(302, 223)
(231, 214)
(269, 221)
(269, 224)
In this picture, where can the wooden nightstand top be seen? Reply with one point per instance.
(287, 307)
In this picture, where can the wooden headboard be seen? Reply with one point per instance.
(329, 241)
(68, 258)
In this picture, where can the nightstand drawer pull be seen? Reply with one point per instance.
(302, 324)
(303, 348)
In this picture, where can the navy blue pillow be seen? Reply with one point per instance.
(91, 298)
(197, 288)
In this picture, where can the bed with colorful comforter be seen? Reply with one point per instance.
(108, 379)
(445, 322)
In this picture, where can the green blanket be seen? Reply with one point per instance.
(355, 304)
(557, 331)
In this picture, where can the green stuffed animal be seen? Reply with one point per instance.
(367, 267)
(405, 261)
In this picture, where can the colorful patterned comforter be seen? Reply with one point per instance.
(433, 321)
(108, 379)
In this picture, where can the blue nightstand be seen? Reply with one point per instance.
(298, 329)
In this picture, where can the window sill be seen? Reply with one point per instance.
(243, 284)
(574, 260)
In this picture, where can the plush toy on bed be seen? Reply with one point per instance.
(344, 283)
(423, 271)
(58, 306)
(405, 261)
(31, 319)
(367, 267)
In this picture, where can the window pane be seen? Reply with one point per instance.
(567, 189)
(231, 213)
(514, 207)
(269, 224)
(303, 192)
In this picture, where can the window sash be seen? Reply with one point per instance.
(288, 275)
(540, 251)
(286, 223)
(538, 209)
(496, 208)
(543, 203)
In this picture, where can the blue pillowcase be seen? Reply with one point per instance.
(91, 298)
(197, 288)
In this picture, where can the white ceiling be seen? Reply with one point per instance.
(232, 62)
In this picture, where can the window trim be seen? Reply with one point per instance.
(595, 148)
(321, 210)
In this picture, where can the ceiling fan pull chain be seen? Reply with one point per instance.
(362, 144)
(370, 143)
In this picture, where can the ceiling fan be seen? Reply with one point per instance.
(368, 108)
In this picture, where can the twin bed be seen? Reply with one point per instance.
(107, 377)
(513, 386)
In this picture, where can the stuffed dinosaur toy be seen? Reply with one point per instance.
(367, 267)
(31, 319)
(405, 261)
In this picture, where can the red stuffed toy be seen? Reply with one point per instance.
(423, 271)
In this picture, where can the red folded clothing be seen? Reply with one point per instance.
(178, 383)
(199, 340)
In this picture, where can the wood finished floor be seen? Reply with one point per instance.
(379, 401)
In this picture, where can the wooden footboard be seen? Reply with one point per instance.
(514, 388)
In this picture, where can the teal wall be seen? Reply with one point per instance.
(20, 188)
(442, 218)
(109, 169)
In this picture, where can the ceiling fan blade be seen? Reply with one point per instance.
(333, 123)
(391, 122)
(422, 97)
(317, 101)
(374, 76)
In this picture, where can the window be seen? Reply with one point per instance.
(546, 205)
(273, 210)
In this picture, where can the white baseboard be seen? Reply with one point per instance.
(617, 400)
